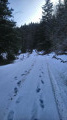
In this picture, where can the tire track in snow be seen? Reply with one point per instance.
(59, 101)
(60, 76)
(46, 99)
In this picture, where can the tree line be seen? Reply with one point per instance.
(48, 35)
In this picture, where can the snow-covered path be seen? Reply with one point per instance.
(30, 90)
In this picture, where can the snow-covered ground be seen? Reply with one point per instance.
(34, 87)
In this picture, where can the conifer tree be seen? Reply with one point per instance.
(47, 11)
(7, 33)
(46, 21)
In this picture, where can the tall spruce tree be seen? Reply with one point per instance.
(47, 11)
(46, 21)
(7, 33)
(65, 2)
(60, 27)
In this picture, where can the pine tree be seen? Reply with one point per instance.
(65, 2)
(47, 11)
(46, 21)
(60, 28)
(7, 33)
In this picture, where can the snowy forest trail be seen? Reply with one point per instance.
(30, 90)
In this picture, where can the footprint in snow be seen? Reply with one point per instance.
(15, 91)
(19, 99)
(41, 103)
(22, 74)
(26, 71)
(40, 76)
(11, 98)
(10, 115)
(19, 83)
(38, 89)
(42, 81)
(15, 77)
(42, 72)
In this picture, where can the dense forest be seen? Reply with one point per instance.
(49, 35)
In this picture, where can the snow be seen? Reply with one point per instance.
(62, 58)
(34, 87)
(4, 55)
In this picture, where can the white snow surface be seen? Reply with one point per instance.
(34, 87)
(63, 57)
(4, 55)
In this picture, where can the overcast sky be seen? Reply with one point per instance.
(26, 11)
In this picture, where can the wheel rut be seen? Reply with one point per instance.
(61, 108)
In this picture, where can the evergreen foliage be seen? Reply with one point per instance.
(60, 28)
(8, 36)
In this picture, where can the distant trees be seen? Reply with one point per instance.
(50, 34)
(28, 37)
(53, 27)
